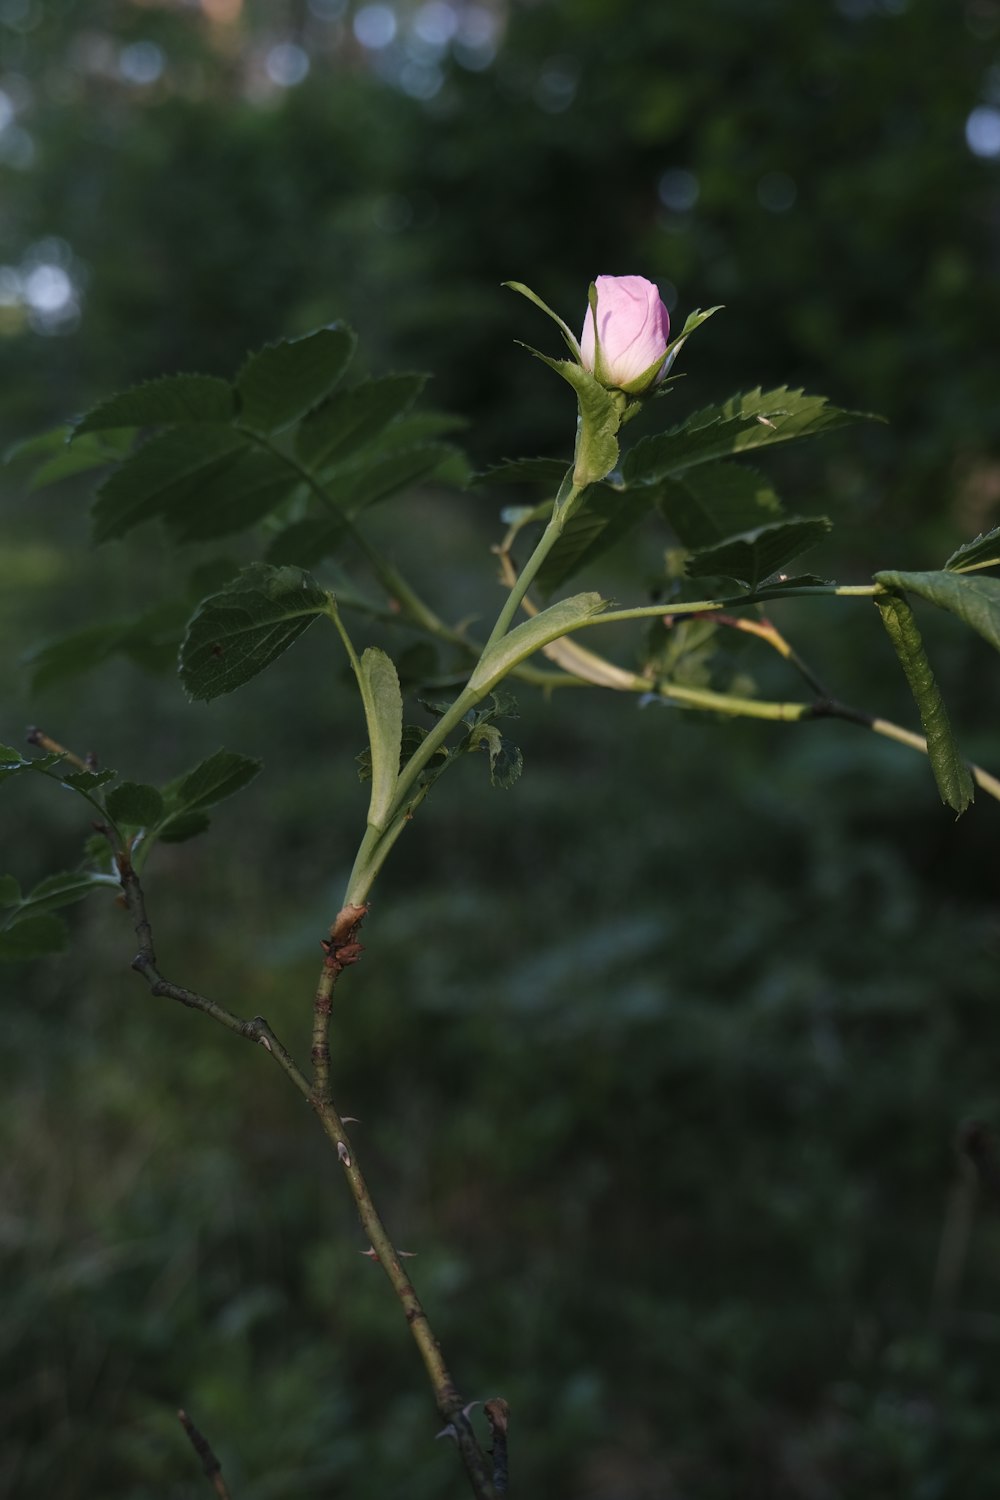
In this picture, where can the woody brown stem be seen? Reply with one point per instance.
(342, 949)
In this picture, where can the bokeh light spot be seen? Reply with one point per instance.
(678, 189)
(287, 64)
(982, 131)
(141, 63)
(375, 26)
(777, 192)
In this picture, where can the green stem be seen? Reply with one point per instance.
(568, 492)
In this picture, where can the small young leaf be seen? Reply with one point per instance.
(164, 402)
(96, 451)
(135, 805)
(383, 704)
(283, 381)
(211, 781)
(752, 556)
(983, 552)
(349, 420)
(34, 938)
(12, 762)
(950, 771)
(973, 599)
(235, 634)
(525, 639)
(64, 890)
(506, 759)
(169, 473)
(180, 827)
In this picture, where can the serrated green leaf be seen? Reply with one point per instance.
(716, 501)
(755, 419)
(34, 938)
(305, 543)
(283, 381)
(752, 556)
(604, 518)
(10, 891)
(982, 552)
(383, 705)
(239, 495)
(975, 600)
(211, 781)
(87, 781)
(94, 452)
(180, 827)
(150, 641)
(64, 890)
(546, 472)
(235, 634)
(163, 402)
(525, 639)
(950, 771)
(376, 476)
(132, 804)
(168, 473)
(349, 420)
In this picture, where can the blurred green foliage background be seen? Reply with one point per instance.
(661, 1055)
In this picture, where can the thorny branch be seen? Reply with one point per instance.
(209, 1462)
(341, 950)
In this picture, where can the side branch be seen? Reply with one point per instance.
(341, 949)
(209, 1462)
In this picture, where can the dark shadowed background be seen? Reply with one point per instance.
(662, 1054)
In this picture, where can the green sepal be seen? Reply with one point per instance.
(564, 328)
(600, 416)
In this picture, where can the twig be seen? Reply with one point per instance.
(36, 736)
(209, 1462)
(498, 1415)
(343, 949)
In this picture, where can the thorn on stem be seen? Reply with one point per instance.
(265, 1043)
(343, 1153)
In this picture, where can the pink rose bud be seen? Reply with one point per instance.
(633, 330)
